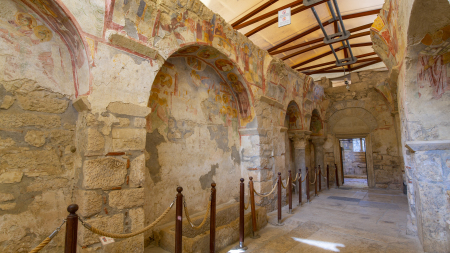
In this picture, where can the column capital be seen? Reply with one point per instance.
(299, 138)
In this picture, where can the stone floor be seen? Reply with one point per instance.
(355, 183)
(339, 220)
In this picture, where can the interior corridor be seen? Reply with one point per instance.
(340, 220)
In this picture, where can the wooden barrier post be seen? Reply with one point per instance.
(212, 224)
(300, 187)
(308, 199)
(279, 199)
(315, 184)
(71, 229)
(241, 246)
(179, 221)
(337, 176)
(290, 191)
(328, 176)
(252, 203)
(320, 179)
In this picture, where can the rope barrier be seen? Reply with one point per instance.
(282, 185)
(114, 235)
(315, 178)
(267, 195)
(296, 177)
(248, 202)
(305, 177)
(47, 240)
(204, 217)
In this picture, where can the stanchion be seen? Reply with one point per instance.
(290, 191)
(179, 222)
(308, 199)
(241, 247)
(279, 200)
(337, 176)
(315, 183)
(320, 179)
(300, 187)
(252, 203)
(212, 226)
(328, 176)
(71, 229)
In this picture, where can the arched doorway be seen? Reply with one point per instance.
(292, 122)
(199, 102)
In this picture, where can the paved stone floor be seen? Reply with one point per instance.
(355, 182)
(339, 220)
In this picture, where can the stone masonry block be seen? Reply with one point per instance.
(122, 199)
(112, 224)
(95, 140)
(8, 101)
(128, 109)
(263, 187)
(140, 122)
(128, 139)
(137, 171)
(6, 197)
(104, 173)
(42, 101)
(11, 177)
(81, 104)
(137, 219)
(17, 120)
(89, 202)
(35, 138)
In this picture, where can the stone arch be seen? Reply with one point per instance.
(202, 111)
(293, 119)
(355, 115)
(316, 124)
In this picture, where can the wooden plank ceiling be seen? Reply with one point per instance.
(300, 44)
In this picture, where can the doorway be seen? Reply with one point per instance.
(354, 162)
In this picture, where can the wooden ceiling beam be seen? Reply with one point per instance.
(266, 15)
(296, 37)
(334, 62)
(275, 20)
(332, 67)
(353, 36)
(356, 68)
(256, 11)
(356, 29)
(328, 53)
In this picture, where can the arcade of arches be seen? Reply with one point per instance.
(113, 104)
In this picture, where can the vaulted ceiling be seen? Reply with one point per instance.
(300, 44)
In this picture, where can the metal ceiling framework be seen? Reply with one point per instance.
(340, 36)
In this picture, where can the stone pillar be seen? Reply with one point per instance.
(318, 142)
(300, 138)
(111, 189)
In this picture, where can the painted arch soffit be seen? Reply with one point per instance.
(361, 114)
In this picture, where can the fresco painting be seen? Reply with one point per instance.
(434, 62)
(385, 89)
(293, 119)
(30, 49)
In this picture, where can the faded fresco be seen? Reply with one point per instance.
(385, 89)
(293, 118)
(316, 124)
(433, 66)
(196, 103)
(31, 49)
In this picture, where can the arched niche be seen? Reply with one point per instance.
(316, 125)
(200, 103)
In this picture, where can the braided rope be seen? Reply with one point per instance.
(315, 178)
(41, 245)
(267, 195)
(282, 185)
(305, 177)
(204, 217)
(114, 235)
(296, 177)
(248, 203)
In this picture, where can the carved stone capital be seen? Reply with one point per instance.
(299, 137)
(318, 140)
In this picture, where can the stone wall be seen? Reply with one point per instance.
(354, 162)
(365, 110)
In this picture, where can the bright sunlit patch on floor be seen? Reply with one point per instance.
(235, 251)
(324, 245)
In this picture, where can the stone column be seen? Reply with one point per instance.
(318, 142)
(300, 138)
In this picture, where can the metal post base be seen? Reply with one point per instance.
(240, 248)
(290, 211)
(279, 223)
(255, 236)
(300, 204)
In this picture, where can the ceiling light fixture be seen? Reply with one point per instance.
(341, 35)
